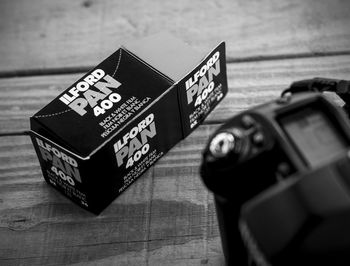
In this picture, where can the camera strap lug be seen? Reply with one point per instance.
(338, 86)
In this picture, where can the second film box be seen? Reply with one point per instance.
(100, 134)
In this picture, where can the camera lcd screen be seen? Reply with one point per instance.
(314, 136)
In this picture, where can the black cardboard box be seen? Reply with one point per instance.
(110, 126)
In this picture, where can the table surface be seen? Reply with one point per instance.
(167, 217)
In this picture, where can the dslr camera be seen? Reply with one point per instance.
(280, 174)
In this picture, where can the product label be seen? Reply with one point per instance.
(134, 144)
(94, 91)
(140, 167)
(61, 169)
(203, 88)
(201, 83)
(120, 115)
(137, 149)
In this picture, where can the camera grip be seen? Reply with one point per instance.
(228, 215)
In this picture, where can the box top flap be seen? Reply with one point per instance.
(167, 54)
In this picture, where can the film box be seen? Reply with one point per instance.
(111, 125)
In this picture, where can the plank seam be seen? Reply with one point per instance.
(230, 60)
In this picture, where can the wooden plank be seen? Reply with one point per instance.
(166, 218)
(38, 34)
(249, 84)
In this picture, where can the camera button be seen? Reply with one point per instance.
(247, 121)
(285, 98)
(258, 138)
(222, 144)
(283, 169)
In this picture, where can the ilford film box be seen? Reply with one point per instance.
(100, 134)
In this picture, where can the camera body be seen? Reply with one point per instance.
(260, 165)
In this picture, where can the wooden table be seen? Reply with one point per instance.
(167, 217)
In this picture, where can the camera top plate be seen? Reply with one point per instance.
(264, 140)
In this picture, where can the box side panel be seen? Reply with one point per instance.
(38, 128)
(128, 155)
(202, 89)
(62, 170)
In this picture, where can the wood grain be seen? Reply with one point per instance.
(250, 84)
(166, 218)
(38, 34)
